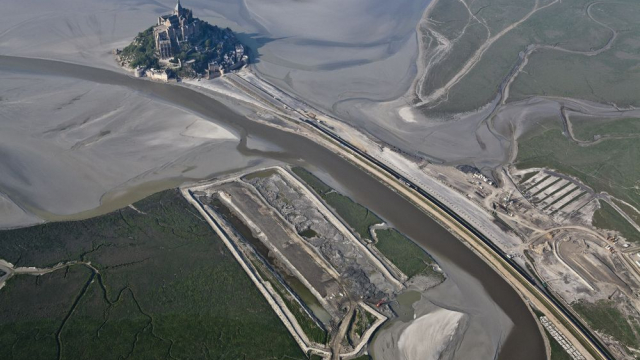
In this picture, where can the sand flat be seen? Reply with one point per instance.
(84, 139)
(11, 215)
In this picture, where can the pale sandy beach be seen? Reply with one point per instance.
(428, 336)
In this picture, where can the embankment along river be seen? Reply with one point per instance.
(498, 316)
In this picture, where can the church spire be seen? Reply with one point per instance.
(178, 8)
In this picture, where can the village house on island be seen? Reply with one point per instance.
(181, 45)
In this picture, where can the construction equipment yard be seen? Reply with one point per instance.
(586, 266)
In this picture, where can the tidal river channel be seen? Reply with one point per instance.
(498, 316)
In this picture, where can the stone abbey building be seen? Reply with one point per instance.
(174, 28)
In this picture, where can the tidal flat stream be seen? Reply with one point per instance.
(498, 318)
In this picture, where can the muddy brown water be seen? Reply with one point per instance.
(523, 342)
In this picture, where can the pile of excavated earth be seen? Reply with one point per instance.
(342, 251)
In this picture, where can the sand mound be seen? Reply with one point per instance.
(429, 335)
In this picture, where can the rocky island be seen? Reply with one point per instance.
(181, 45)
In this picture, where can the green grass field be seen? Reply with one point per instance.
(312, 181)
(356, 215)
(633, 214)
(609, 77)
(564, 24)
(167, 287)
(610, 166)
(603, 316)
(405, 254)
(586, 130)
(33, 308)
(609, 219)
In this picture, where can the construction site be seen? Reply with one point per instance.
(327, 286)
(550, 219)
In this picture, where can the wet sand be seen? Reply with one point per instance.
(324, 51)
(12, 215)
(498, 318)
(85, 140)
